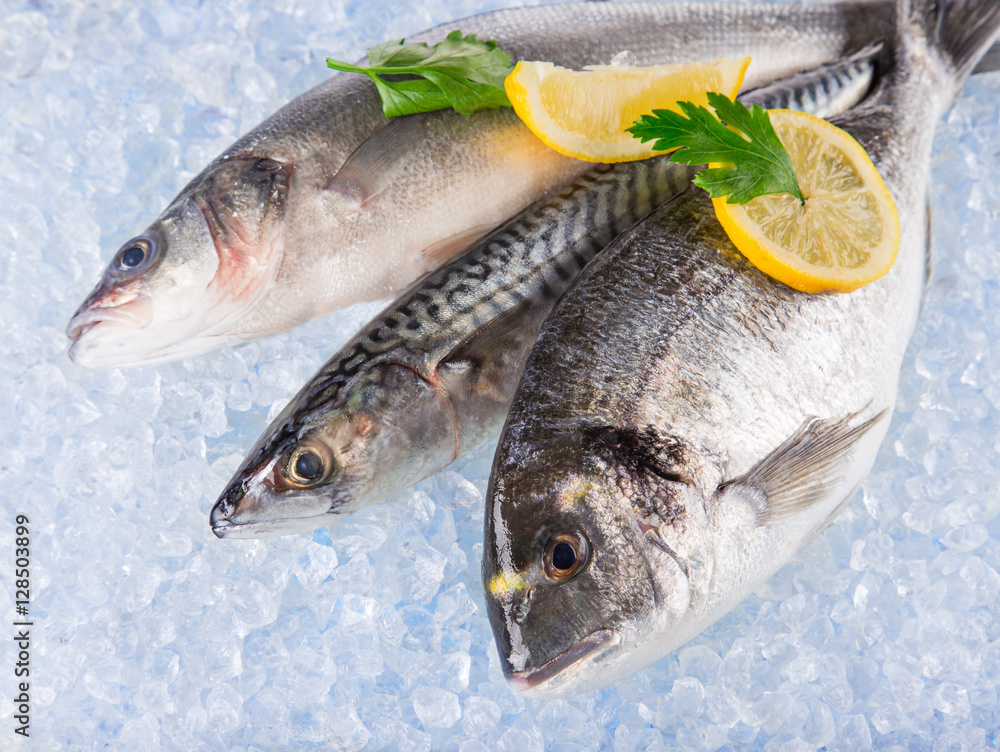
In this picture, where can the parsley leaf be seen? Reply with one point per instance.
(460, 72)
(759, 163)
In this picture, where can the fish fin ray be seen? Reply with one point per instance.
(963, 31)
(372, 166)
(446, 249)
(990, 61)
(803, 469)
(491, 344)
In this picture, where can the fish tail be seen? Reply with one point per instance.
(959, 31)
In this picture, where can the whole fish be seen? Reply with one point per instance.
(685, 424)
(433, 374)
(321, 205)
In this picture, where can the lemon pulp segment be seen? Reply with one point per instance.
(845, 235)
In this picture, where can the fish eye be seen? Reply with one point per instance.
(134, 255)
(308, 465)
(565, 555)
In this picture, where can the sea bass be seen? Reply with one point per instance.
(685, 424)
(322, 205)
(433, 374)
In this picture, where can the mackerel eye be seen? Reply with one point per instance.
(565, 555)
(307, 466)
(133, 256)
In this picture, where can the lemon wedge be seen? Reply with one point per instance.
(845, 235)
(584, 114)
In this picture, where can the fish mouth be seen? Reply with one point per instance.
(99, 333)
(226, 527)
(245, 512)
(548, 678)
(126, 335)
(136, 313)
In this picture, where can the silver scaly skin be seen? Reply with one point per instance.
(433, 374)
(426, 379)
(823, 91)
(685, 424)
(322, 206)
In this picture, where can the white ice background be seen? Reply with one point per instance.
(151, 634)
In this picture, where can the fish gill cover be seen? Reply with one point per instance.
(150, 634)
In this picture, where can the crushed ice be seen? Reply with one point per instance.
(150, 634)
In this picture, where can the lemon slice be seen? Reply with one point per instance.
(584, 114)
(847, 232)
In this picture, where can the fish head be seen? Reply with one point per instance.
(385, 431)
(573, 581)
(209, 258)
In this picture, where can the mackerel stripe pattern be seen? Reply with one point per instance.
(826, 90)
(532, 259)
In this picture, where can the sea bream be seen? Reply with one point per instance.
(685, 424)
(323, 205)
(433, 374)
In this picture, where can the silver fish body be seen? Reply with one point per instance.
(685, 423)
(433, 374)
(346, 217)
(824, 91)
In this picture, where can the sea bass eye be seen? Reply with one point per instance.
(134, 256)
(308, 465)
(565, 555)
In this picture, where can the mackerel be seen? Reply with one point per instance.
(433, 374)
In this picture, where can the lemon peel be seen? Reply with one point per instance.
(584, 114)
(846, 232)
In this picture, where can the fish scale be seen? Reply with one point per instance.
(465, 295)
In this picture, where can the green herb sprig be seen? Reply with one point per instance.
(758, 162)
(460, 72)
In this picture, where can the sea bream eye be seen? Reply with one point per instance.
(565, 555)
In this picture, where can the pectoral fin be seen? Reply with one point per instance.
(804, 470)
(445, 250)
(489, 359)
(376, 163)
